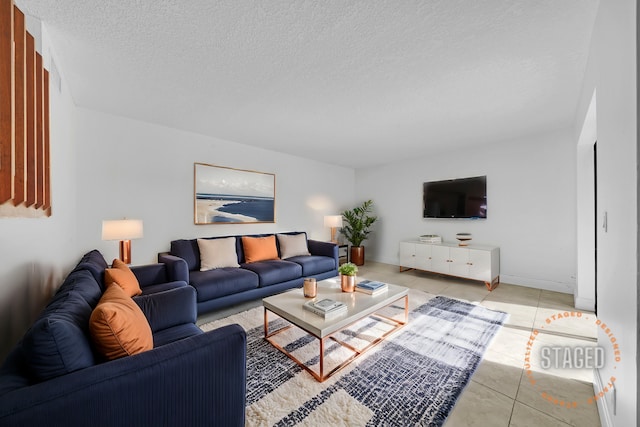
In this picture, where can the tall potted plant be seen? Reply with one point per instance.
(358, 222)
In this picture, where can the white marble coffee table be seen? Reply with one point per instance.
(288, 305)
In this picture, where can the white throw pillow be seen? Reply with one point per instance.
(293, 245)
(217, 253)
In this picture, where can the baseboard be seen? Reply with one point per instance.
(547, 285)
(603, 404)
(584, 303)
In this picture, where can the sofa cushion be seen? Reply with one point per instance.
(222, 281)
(271, 272)
(313, 264)
(57, 343)
(175, 333)
(217, 253)
(118, 326)
(169, 308)
(292, 245)
(187, 250)
(94, 262)
(83, 282)
(259, 248)
(121, 275)
(161, 287)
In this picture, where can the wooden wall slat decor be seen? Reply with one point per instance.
(39, 135)
(47, 152)
(6, 99)
(25, 150)
(19, 156)
(31, 120)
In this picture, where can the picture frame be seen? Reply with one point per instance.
(224, 195)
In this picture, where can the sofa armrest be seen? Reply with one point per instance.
(197, 381)
(150, 274)
(317, 247)
(177, 268)
(169, 308)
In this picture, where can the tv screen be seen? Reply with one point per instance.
(455, 198)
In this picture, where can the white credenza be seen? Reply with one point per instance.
(476, 262)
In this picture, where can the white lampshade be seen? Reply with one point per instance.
(333, 221)
(122, 229)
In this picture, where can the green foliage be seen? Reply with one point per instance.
(348, 269)
(358, 223)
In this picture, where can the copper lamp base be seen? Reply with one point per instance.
(125, 251)
(333, 235)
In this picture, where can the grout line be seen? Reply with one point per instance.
(545, 413)
(515, 398)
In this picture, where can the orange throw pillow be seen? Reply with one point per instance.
(259, 248)
(118, 326)
(121, 274)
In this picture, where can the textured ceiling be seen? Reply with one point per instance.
(355, 83)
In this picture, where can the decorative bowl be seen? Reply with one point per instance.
(463, 238)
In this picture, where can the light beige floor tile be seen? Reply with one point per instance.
(562, 342)
(501, 377)
(471, 292)
(559, 300)
(570, 322)
(431, 285)
(508, 346)
(567, 390)
(527, 297)
(228, 311)
(480, 406)
(520, 315)
(526, 416)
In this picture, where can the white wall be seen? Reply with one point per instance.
(531, 206)
(36, 252)
(613, 73)
(145, 171)
(585, 293)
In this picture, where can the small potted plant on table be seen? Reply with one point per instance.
(348, 272)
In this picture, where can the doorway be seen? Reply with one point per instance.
(595, 226)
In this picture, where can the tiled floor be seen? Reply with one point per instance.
(500, 393)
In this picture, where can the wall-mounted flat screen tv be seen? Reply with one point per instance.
(456, 198)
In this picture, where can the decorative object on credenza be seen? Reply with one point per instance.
(334, 222)
(25, 184)
(225, 195)
(431, 238)
(348, 272)
(357, 228)
(124, 230)
(463, 238)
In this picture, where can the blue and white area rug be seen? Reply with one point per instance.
(414, 377)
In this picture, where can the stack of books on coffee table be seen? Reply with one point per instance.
(326, 308)
(371, 287)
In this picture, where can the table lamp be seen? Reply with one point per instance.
(123, 230)
(335, 222)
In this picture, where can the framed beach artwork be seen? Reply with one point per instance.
(233, 196)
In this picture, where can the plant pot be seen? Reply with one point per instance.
(357, 255)
(348, 283)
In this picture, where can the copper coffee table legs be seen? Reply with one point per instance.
(320, 375)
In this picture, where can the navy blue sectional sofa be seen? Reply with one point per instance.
(53, 377)
(227, 286)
